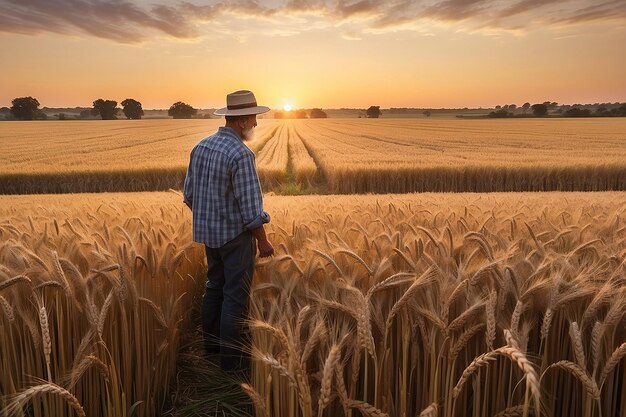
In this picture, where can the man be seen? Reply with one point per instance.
(223, 191)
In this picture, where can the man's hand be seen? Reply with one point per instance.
(265, 248)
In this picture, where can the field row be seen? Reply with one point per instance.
(345, 156)
(385, 305)
(478, 156)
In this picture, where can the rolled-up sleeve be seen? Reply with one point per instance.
(247, 191)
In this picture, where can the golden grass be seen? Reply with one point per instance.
(391, 305)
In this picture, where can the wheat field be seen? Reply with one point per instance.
(392, 305)
(342, 155)
(398, 155)
(95, 293)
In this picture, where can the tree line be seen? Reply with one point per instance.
(27, 108)
(552, 108)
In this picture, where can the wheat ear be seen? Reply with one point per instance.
(259, 402)
(577, 343)
(15, 280)
(17, 402)
(491, 319)
(430, 411)
(367, 410)
(615, 358)
(590, 385)
(8, 310)
(327, 378)
(516, 316)
(532, 380)
(83, 366)
(45, 335)
(596, 340)
(516, 411)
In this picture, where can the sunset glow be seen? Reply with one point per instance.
(329, 54)
(287, 107)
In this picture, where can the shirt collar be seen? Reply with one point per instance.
(229, 131)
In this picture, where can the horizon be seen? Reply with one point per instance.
(315, 53)
(519, 106)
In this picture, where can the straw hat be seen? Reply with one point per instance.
(241, 103)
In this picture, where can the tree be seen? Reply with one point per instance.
(318, 114)
(25, 108)
(180, 110)
(512, 107)
(107, 109)
(540, 110)
(602, 111)
(525, 107)
(298, 114)
(576, 112)
(132, 109)
(500, 114)
(374, 112)
(426, 113)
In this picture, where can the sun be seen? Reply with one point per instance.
(287, 107)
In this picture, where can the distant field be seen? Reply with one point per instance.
(340, 156)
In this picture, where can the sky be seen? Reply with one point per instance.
(314, 53)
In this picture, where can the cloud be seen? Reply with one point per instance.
(351, 36)
(126, 21)
(525, 6)
(604, 11)
(455, 10)
(118, 20)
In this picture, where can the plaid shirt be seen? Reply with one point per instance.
(222, 187)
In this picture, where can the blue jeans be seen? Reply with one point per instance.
(225, 302)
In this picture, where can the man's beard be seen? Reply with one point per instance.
(248, 134)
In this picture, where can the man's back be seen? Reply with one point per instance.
(223, 189)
